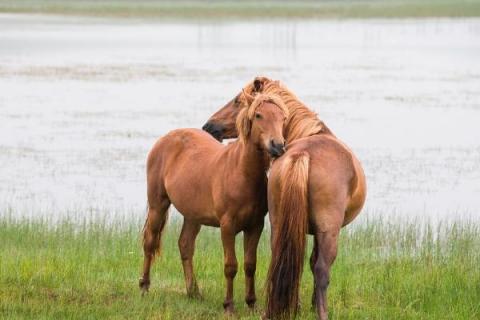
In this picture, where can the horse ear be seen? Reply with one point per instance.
(258, 84)
(244, 124)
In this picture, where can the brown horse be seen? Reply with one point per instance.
(215, 185)
(317, 187)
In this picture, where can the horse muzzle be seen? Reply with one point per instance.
(215, 129)
(276, 149)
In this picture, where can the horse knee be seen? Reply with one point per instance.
(324, 281)
(230, 270)
(183, 247)
(150, 242)
(322, 277)
(250, 269)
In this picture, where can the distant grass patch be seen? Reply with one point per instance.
(247, 9)
(383, 271)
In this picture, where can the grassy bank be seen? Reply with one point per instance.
(247, 9)
(383, 271)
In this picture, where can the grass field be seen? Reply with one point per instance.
(383, 271)
(242, 9)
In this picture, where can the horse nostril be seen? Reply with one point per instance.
(216, 130)
(278, 146)
(276, 149)
(206, 126)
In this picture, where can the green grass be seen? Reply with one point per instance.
(247, 9)
(383, 271)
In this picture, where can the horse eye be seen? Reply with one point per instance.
(258, 116)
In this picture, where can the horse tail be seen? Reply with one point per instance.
(157, 216)
(288, 245)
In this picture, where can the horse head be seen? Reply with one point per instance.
(222, 124)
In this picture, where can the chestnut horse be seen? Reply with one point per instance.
(215, 185)
(316, 187)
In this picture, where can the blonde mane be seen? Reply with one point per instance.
(246, 115)
(302, 122)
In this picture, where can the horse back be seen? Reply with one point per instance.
(181, 147)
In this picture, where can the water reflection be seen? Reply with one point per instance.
(83, 100)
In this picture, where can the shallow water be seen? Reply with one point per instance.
(82, 101)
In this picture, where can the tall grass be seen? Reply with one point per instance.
(384, 270)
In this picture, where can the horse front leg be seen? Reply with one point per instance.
(251, 238)
(230, 261)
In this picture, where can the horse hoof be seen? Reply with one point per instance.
(229, 313)
(144, 285)
(228, 309)
(195, 295)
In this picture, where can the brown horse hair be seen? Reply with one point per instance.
(302, 122)
(246, 115)
(288, 251)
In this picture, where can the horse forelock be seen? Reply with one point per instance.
(265, 97)
(302, 121)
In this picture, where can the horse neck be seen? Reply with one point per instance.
(302, 122)
(252, 161)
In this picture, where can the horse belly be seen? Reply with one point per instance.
(199, 215)
(193, 204)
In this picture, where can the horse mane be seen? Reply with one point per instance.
(302, 122)
(245, 117)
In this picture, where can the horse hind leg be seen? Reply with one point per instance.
(313, 260)
(326, 252)
(186, 244)
(152, 234)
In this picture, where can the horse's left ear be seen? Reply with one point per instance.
(258, 84)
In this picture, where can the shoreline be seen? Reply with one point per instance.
(226, 10)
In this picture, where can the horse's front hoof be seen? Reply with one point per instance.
(323, 316)
(228, 309)
(251, 304)
(195, 294)
(229, 313)
(144, 285)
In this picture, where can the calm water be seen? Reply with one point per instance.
(83, 100)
